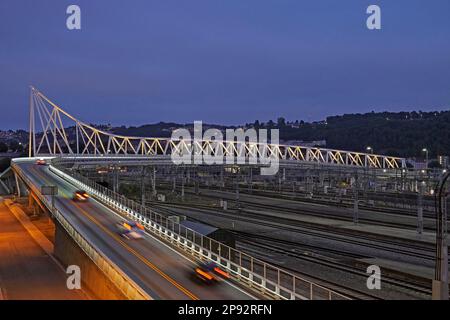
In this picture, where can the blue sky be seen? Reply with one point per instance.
(223, 61)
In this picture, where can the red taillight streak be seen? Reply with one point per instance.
(221, 272)
(204, 274)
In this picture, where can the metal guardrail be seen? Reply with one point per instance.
(253, 273)
(126, 285)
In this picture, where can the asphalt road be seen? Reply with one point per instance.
(160, 271)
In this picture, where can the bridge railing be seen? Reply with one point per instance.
(253, 273)
(125, 284)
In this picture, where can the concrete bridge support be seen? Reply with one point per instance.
(93, 279)
(6, 181)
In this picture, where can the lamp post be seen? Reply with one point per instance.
(369, 149)
(426, 157)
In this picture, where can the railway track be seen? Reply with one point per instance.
(339, 201)
(391, 244)
(263, 244)
(345, 201)
(316, 213)
(414, 285)
(227, 194)
(334, 216)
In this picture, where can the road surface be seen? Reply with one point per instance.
(162, 272)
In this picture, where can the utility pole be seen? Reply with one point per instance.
(440, 283)
(251, 180)
(154, 182)
(196, 184)
(420, 210)
(143, 186)
(355, 205)
(182, 187)
(237, 193)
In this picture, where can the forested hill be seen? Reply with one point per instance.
(403, 133)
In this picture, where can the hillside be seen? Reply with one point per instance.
(399, 134)
(402, 134)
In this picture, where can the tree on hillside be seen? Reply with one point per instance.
(3, 147)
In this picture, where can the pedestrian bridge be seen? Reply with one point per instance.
(53, 131)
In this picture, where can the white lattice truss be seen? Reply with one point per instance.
(54, 131)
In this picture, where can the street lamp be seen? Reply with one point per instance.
(426, 156)
(369, 149)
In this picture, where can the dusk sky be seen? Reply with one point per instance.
(223, 61)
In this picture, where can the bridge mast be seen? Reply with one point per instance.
(31, 137)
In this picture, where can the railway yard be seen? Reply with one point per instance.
(310, 227)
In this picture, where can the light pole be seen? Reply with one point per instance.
(369, 149)
(426, 157)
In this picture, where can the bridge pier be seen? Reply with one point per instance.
(34, 207)
(19, 193)
(68, 253)
(115, 178)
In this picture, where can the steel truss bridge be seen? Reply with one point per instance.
(53, 131)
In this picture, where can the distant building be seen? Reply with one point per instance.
(314, 143)
(443, 161)
(418, 165)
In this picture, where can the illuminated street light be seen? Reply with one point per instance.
(426, 156)
(370, 149)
